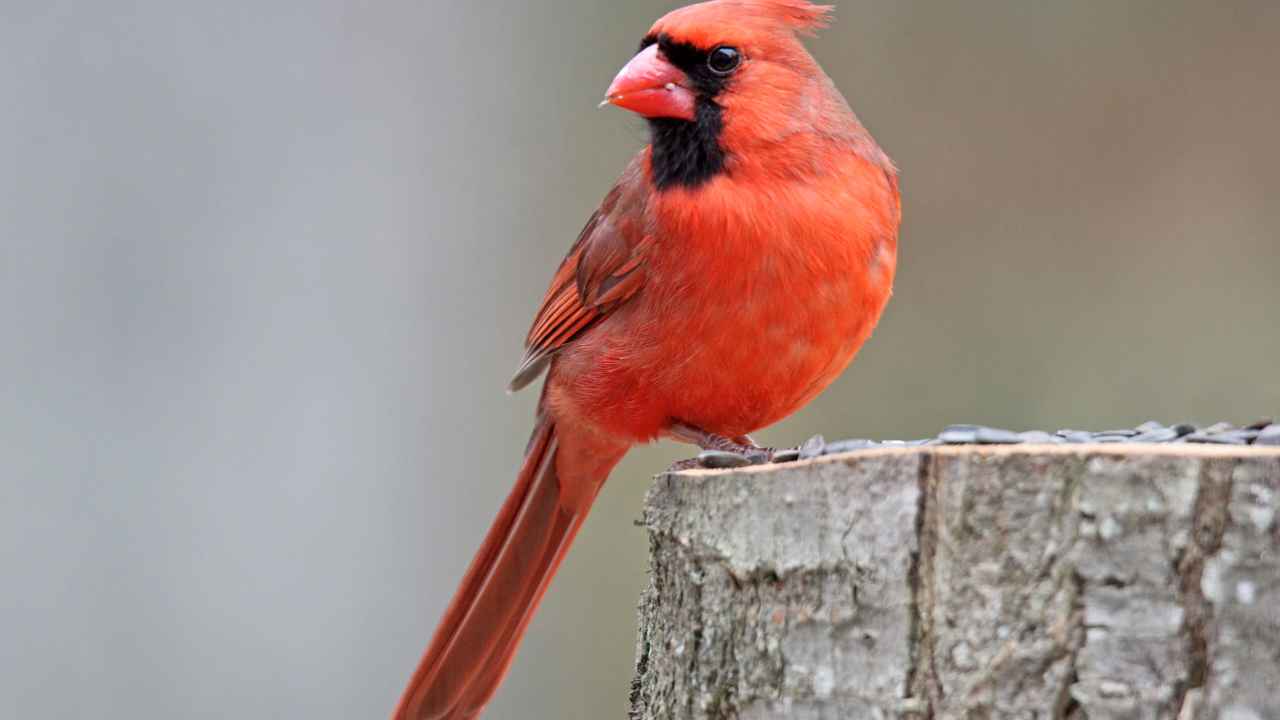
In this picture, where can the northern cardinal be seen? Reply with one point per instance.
(728, 277)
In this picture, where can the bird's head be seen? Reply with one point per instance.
(716, 78)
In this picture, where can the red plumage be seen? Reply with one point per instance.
(720, 293)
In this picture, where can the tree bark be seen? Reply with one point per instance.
(1094, 581)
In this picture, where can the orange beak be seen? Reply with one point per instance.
(651, 86)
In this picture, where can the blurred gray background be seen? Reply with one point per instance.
(265, 268)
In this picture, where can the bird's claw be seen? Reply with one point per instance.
(720, 452)
(730, 459)
(686, 464)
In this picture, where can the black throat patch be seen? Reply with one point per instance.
(688, 154)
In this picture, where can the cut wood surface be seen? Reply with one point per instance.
(1086, 581)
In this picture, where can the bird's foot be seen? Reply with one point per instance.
(720, 460)
(719, 452)
(693, 463)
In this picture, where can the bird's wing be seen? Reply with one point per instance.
(603, 270)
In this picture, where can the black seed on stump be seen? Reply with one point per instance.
(1269, 436)
(998, 436)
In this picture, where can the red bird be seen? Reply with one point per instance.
(727, 278)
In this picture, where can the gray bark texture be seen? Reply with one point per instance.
(1092, 581)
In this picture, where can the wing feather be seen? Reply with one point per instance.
(604, 269)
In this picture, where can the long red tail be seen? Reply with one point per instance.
(477, 639)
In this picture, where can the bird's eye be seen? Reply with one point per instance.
(724, 60)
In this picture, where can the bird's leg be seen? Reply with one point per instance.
(741, 445)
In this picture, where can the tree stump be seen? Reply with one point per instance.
(1086, 581)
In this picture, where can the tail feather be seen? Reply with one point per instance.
(504, 649)
(476, 640)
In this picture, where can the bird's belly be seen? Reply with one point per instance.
(760, 364)
(728, 361)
